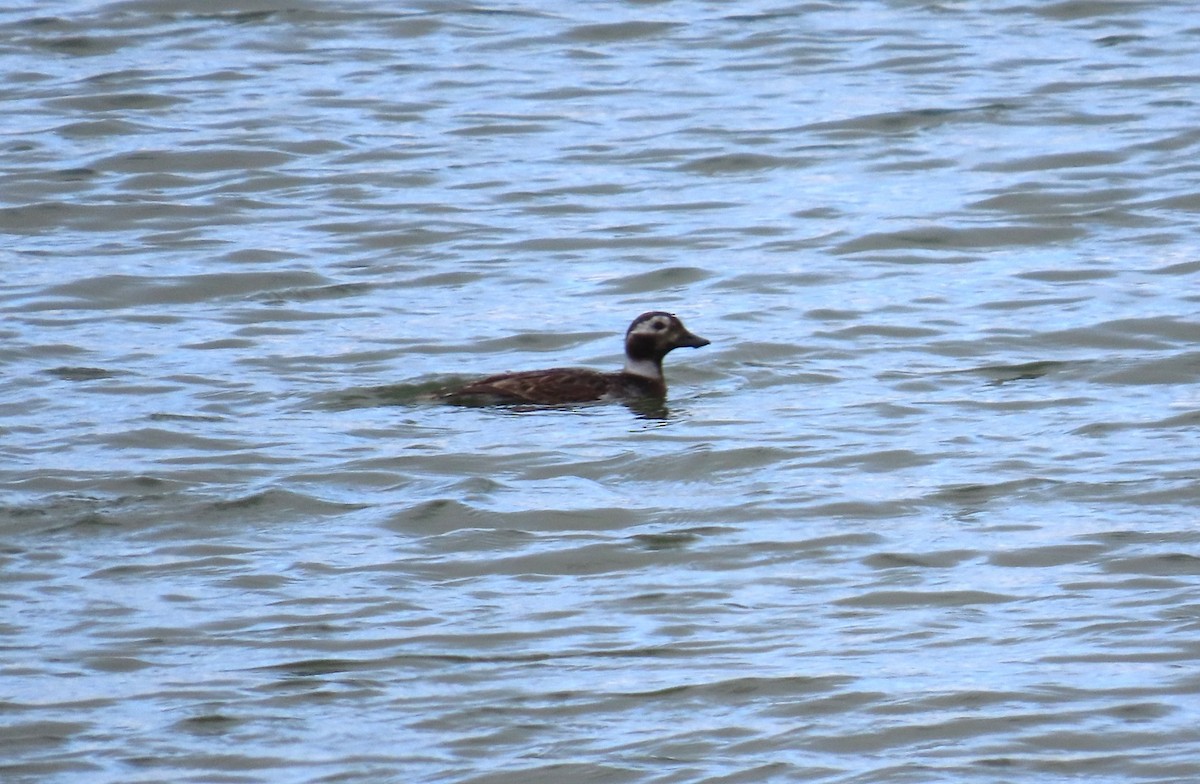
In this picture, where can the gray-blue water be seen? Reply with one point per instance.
(926, 510)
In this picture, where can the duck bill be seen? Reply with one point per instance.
(688, 340)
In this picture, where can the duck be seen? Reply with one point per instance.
(650, 337)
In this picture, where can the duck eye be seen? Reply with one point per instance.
(659, 326)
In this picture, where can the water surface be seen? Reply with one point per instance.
(925, 510)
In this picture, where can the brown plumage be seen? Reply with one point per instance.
(649, 338)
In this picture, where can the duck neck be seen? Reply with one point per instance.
(646, 367)
(643, 357)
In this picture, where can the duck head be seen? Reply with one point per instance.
(651, 337)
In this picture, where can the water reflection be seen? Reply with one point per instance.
(949, 427)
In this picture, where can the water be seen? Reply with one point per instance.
(925, 510)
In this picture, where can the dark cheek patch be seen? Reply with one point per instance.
(641, 347)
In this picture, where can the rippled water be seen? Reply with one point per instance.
(925, 510)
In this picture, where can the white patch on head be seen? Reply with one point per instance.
(655, 325)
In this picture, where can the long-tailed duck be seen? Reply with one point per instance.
(649, 338)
